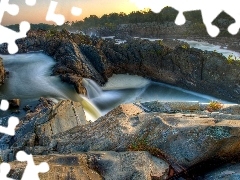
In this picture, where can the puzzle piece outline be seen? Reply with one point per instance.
(31, 169)
(7, 35)
(59, 19)
(12, 121)
(4, 170)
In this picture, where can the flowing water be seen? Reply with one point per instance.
(30, 78)
(205, 46)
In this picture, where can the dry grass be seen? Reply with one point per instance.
(214, 106)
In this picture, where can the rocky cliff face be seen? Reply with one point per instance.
(189, 68)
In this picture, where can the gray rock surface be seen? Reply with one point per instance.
(185, 139)
(38, 127)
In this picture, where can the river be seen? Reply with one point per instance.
(30, 78)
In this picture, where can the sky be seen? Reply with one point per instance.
(37, 13)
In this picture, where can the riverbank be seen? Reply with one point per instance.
(178, 139)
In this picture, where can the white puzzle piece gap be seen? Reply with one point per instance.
(31, 171)
(51, 16)
(209, 9)
(12, 123)
(12, 9)
(10, 36)
(30, 2)
(4, 105)
(76, 11)
(4, 170)
(7, 35)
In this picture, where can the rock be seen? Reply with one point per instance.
(14, 103)
(35, 130)
(64, 116)
(229, 171)
(183, 140)
(98, 165)
(2, 72)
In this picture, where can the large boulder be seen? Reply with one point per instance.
(184, 139)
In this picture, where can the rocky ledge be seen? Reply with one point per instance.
(174, 140)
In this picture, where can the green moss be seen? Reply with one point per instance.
(231, 59)
(184, 46)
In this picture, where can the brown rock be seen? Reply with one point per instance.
(14, 103)
(98, 165)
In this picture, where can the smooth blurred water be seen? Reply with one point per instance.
(30, 78)
(151, 91)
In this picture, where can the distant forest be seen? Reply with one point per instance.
(168, 14)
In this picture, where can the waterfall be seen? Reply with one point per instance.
(93, 89)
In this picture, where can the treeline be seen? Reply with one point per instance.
(168, 14)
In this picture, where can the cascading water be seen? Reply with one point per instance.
(29, 78)
(93, 89)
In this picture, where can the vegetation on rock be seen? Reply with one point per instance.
(214, 106)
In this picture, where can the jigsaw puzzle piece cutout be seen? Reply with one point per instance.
(12, 123)
(9, 36)
(30, 2)
(59, 19)
(4, 105)
(12, 9)
(31, 169)
(4, 170)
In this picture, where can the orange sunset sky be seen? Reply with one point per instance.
(37, 13)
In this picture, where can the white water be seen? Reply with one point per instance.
(210, 47)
